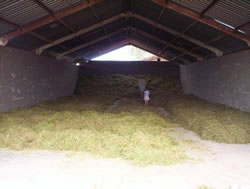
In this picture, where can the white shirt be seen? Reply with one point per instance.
(146, 93)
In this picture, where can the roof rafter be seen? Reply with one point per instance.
(190, 39)
(107, 36)
(208, 42)
(98, 19)
(39, 3)
(128, 14)
(205, 20)
(167, 44)
(14, 25)
(48, 19)
(78, 33)
(158, 20)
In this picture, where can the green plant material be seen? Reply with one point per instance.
(79, 124)
(130, 131)
(211, 121)
(119, 86)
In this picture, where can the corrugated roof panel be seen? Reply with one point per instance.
(164, 35)
(175, 20)
(234, 13)
(94, 34)
(136, 35)
(99, 45)
(53, 30)
(54, 49)
(184, 44)
(108, 8)
(246, 29)
(4, 28)
(203, 32)
(142, 25)
(82, 51)
(81, 19)
(56, 5)
(156, 44)
(148, 9)
(189, 58)
(205, 53)
(229, 44)
(173, 51)
(118, 24)
(73, 42)
(22, 12)
(195, 5)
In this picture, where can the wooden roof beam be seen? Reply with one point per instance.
(167, 44)
(61, 55)
(48, 19)
(158, 20)
(169, 30)
(205, 20)
(128, 14)
(78, 33)
(2, 20)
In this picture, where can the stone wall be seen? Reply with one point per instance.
(224, 80)
(27, 79)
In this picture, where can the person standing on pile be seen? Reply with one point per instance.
(142, 85)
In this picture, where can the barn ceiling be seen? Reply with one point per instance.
(180, 31)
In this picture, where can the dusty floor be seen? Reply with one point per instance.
(214, 165)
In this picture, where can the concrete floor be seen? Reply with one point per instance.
(214, 165)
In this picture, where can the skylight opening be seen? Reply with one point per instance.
(241, 31)
(227, 25)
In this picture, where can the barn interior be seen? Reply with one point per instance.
(55, 98)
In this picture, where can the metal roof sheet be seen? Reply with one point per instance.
(184, 44)
(21, 12)
(195, 5)
(81, 19)
(205, 53)
(234, 13)
(230, 44)
(203, 32)
(164, 35)
(53, 30)
(108, 8)
(142, 25)
(175, 20)
(246, 29)
(56, 5)
(147, 8)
